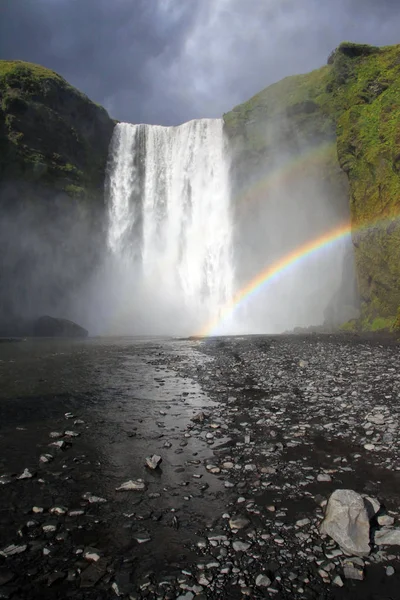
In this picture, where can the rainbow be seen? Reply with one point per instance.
(282, 265)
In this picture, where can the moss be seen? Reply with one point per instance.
(350, 326)
(396, 323)
(50, 133)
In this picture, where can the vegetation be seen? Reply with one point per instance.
(51, 135)
(353, 103)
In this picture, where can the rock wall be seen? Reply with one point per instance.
(335, 127)
(53, 153)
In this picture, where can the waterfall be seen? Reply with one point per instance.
(170, 226)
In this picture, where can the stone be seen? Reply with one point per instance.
(352, 571)
(263, 581)
(137, 485)
(385, 520)
(153, 461)
(324, 477)
(387, 537)
(12, 550)
(240, 546)
(92, 499)
(26, 474)
(338, 581)
(236, 523)
(347, 522)
(389, 571)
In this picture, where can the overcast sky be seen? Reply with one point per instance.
(168, 61)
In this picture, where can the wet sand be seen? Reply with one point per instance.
(278, 412)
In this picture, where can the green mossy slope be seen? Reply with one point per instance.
(349, 110)
(51, 135)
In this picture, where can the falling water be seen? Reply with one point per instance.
(170, 228)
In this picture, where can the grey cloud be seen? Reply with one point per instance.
(168, 61)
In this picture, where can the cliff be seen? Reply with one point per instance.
(341, 124)
(53, 153)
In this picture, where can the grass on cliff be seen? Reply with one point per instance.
(39, 136)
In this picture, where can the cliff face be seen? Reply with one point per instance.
(53, 153)
(337, 127)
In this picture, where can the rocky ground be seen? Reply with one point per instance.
(254, 433)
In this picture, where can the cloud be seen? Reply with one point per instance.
(168, 61)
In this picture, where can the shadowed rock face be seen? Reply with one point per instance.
(54, 327)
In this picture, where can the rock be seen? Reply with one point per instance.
(26, 475)
(263, 581)
(302, 522)
(324, 477)
(372, 505)
(389, 571)
(385, 520)
(200, 418)
(353, 571)
(237, 523)
(55, 327)
(12, 550)
(137, 485)
(153, 461)
(346, 521)
(241, 546)
(387, 537)
(92, 499)
(338, 581)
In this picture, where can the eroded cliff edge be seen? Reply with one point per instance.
(53, 153)
(340, 124)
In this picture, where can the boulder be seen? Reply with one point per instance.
(347, 522)
(55, 327)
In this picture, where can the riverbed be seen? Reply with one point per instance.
(257, 428)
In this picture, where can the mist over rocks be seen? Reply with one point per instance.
(53, 154)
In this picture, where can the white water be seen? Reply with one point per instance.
(170, 227)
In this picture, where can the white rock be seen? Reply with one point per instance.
(25, 475)
(45, 458)
(346, 521)
(58, 510)
(240, 546)
(323, 477)
(137, 486)
(387, 537)
(153, 461)
(72, 434)
(93, 499)
(263, 581)
(369, 446)
(385, 520)
(13, 549)
(92, 556)
(238, 523)
(338, 581)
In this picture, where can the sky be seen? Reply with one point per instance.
(168, 61)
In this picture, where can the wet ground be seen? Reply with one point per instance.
(234, 508)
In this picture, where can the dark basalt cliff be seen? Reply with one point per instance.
(53, 153)
(340, 126)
